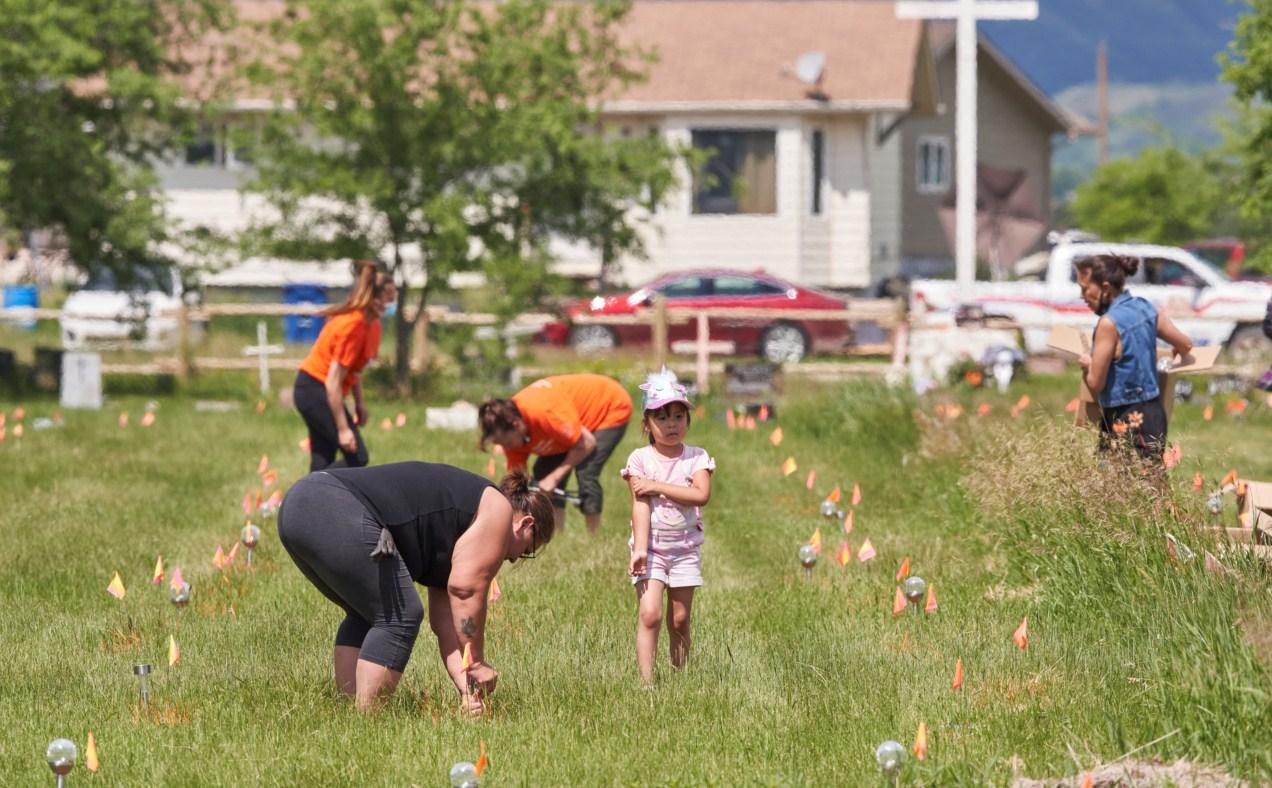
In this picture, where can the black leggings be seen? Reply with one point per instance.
(591, 497)
(330, 534)
(1142, 425)
(310, 397)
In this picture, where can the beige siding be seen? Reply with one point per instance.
(885, 200)
(848, 204)
(814, 229)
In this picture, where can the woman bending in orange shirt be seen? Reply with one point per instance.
(350, 338)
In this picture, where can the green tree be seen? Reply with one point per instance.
(451, 135)
(1248, 67)
(1162, 195)
(90, 96)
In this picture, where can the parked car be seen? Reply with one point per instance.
(1203, 302)
(102, 311)
(776, 338)
(1226, 255)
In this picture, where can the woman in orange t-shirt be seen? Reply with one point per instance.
(349, 339)
(572, 423)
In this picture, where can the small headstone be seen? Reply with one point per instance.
(757, 378)
(82, 380)
(460, 417)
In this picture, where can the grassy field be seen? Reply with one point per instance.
(789, 683)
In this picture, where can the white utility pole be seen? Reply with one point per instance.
(966, 13)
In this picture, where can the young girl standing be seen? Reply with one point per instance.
(670, 482)
(1121, 369)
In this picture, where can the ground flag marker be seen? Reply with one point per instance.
(920, 742)
(856, 494)
(1197, 482)
(123, 419)
(177, 580)
(1208, 413)
(866, 552)
(263, 465)
(174, 652)
(1072, 407)
(848, 522)
(789, 466)
(845, 553)
(1088, 781)
(1021, 635)
(899, 603)
(482, 760)
(494, 593)
(958, 674)
(930, 607)
(903, 571)
(983, 410)
(750, 423)
(490, 468)
(116, 587)
(811, 482)
(158, 578)
(775, 437)
(400, 421)
(148, 419)
(90, 754)
(218, 558)
(731, 419)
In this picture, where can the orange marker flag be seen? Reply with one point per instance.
(930, 606)
(400, 421)
(1088, 781)
(1173, 455)
(1237, 407)
(158, 578)
(816, 540)
(90, 754)
(482, 760)
(903, 571)
(275, 499)
(229, 558)
(304, 445)
(247, 503)
(731, 419)
(811, 482)
(177, 580)
(218, 558)
(17, 431)
(848, 522)
(123, 419)
(19, 414)
(116, 587)
(174, 651)
(835, 495)
(866, 552)
(982, 410)
(1231, 478)
(263, 465)
(148, 419)
(387, 424)
(750, 422)
(1197, 482)
(845, 554)
(490, 468)
(764, 413)
(1072, 407)
(1021, 635)
(1020, 405)
(958, 674)
(494, 593)
(775, 437)
(270, 478)
(260, 406)
(467, 661)
(920, 742)
(899, 603)
(789, 466)
(856, 494)
(1208, 413)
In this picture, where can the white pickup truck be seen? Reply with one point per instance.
(1203, 302)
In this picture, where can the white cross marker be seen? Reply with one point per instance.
(262, 351)
(966, 12)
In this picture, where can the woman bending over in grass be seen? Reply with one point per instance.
(670, 482)
(364, 536)
(1121, 369)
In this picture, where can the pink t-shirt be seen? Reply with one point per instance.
(647, 463)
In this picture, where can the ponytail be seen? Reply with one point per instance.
(1111, 268)
(368, 285)
(515, 486)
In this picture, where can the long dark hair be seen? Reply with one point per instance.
(369, 282)
(1111, 268)
(516, 488)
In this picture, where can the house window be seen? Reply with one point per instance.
(933, 165)
(205, 149)
(740, 174)
(819, 169)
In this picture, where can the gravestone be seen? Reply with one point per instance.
(82, 380)
(47, 372)
(750, 378)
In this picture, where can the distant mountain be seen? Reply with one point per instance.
(1149, 41)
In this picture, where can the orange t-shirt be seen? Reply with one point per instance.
(347, 339)
(556, 410)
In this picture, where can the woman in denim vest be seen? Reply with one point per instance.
(1121, 369)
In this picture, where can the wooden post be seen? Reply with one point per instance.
(183, 344)
(660, 331)
(704, 354)
(419, 343)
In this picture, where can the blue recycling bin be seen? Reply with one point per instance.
(22, 296)
(303, 329)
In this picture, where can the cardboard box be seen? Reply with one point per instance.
(1071, 341)
(1254, 510)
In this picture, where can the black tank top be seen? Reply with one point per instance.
(426, 506)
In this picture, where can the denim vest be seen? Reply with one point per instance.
(1133, 377)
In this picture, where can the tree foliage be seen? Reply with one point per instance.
(1162, 195)
(89, 98)
(451, 135)
(1247, 65)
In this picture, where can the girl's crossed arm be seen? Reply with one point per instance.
(640, 530)
(697, 494)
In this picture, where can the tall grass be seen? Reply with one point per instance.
(789, 683)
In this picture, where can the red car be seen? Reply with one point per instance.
(776, 338)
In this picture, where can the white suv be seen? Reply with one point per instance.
(101, 312)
